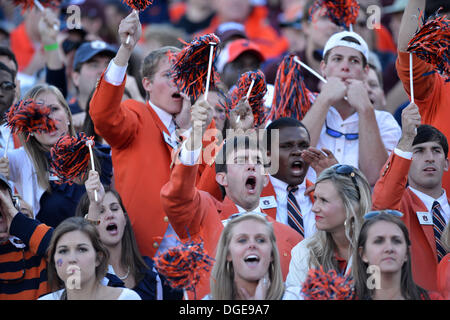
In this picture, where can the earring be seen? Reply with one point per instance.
(229, 267)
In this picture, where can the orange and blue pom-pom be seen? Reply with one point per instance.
(29, 4)
(321, 285)
(70, 157)
(28, 116)
(138, 5)
(256, 97)
(184, 265)
(342, 12)
(431, 43)
(291, 97)
(190, 66)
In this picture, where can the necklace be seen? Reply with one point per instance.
(126, 275)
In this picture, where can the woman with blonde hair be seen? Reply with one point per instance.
(29, 167)
(342, 197)
(247, 262)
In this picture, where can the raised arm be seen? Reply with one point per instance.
(182, 201)
(410, 22)
(116, 123)
(389, 189)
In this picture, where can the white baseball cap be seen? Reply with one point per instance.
(337, 40)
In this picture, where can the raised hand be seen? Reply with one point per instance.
(93, 183)
(4, 167)
(130, 26)
(410, 121)
(319, 160)
(46, 27)
(243, 111)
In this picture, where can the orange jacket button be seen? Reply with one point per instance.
(166, 219)
(155, 245)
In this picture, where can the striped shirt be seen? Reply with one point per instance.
(23, 272)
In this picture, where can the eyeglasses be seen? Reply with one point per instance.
(23, 268)
(348, 170)
(372, 214)
(7, 85)
(337, 134)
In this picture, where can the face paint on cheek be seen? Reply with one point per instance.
(59, 263)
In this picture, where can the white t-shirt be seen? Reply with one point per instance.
(347, 151)
(126, 294)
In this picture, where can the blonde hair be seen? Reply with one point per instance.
(222, 275)
(322, 246)
(34, 148)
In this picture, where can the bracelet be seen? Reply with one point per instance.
(94, 222)
(51, 47)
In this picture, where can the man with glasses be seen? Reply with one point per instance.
(419, 161)
(342, 118)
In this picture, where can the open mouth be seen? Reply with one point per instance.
(250, 184)
(176, 95)
(252, 260)
(112, 228)
(297, 167)
(429, 169)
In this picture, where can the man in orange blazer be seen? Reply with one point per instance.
(196, 214)
(142, 136)
(419, 160)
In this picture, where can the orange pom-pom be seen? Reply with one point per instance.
(321, 285)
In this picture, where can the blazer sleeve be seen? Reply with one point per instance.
(423, 85)
(391, 186)
(113, 120)
(182, 201)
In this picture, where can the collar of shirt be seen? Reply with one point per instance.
(280, 187)
(335, 121)
(428, 202)
(166, 118)
(242, 210)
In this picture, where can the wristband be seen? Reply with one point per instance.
(51, 47)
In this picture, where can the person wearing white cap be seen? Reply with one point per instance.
(342, 118)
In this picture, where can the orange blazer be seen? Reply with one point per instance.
(197, 214)
(390, 192)
(141, 159)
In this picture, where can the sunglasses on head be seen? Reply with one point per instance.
(7, 85)
(372, 214)
(336, 134)
(350, 171)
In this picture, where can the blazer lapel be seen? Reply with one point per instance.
(427, 229)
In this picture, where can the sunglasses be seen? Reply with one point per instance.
(7, 85)
(350, 171)
(337, 134)
(372, 214)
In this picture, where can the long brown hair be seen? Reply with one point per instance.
(410, 290)
(130, 255)
(69, 225)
